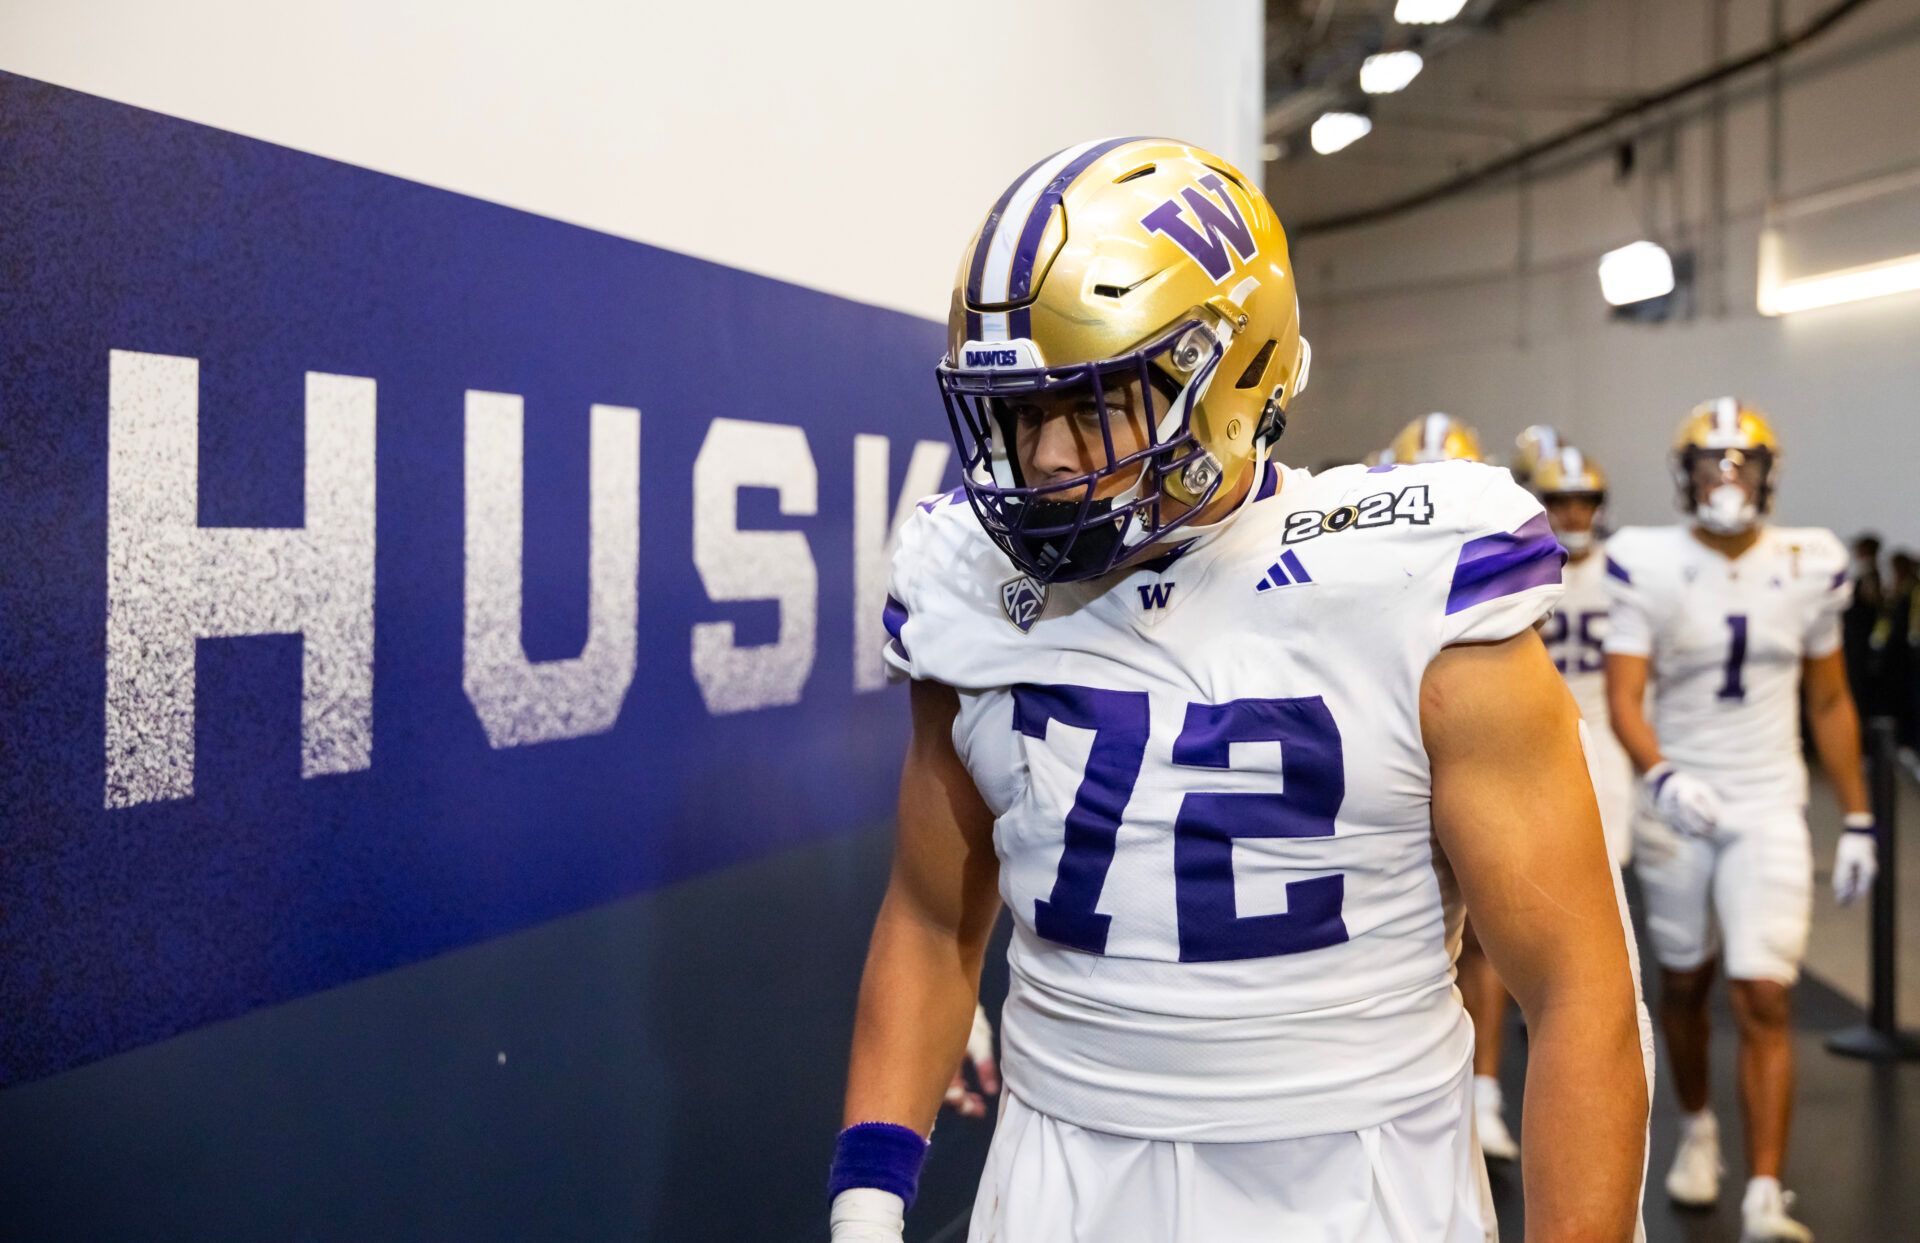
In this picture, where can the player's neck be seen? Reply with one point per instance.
(1729, 546)
(1575, 558)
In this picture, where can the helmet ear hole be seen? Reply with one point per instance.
(1250, 378)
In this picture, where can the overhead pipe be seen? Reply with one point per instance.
(1587, 129)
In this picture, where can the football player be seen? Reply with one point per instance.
(1435, 437)
(1574, 490)
(1234, 742)
(1532, 446)
(1730, 619)
(1440, 437)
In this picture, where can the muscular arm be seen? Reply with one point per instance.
(923, 963)
(1627, 709)
(1836, 727)
(1514, 810)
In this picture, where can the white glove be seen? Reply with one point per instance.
(1687, 804)
(868, 1215)
(962, 1099)
(1856, 861)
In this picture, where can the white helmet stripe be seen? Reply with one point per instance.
(998, 273)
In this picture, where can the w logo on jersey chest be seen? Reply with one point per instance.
(1156, 595)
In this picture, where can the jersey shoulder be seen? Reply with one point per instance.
(1433, 501)
(940, 542)
(1472, 544)
(1634, 554)
(1817, 549)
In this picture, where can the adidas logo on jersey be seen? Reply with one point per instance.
(1286, 572)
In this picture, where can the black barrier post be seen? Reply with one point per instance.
(1880, 1038)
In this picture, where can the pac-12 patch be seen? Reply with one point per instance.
(1023, 599)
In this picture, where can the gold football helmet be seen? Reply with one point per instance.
(1569, 472)
(1530, 448)
(1136, 264)
(1562, 480)
(1726, 461)
(1435, 437)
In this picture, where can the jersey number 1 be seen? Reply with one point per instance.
(1731, 688)
(1313, 776)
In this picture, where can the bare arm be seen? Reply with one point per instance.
(923, 963)
(1836, 727)
(1514, 809)
(1627, 709)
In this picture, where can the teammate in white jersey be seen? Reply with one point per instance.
(1439, 437)
(1233, 742)
(1574, 490)
(1730, 618)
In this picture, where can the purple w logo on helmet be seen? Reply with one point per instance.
(1223, 225)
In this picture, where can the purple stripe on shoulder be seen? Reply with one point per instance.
(948, 498)
(1616, 570)
(1382, 468)
(1839, 580)
(1503, 565)
(894, 616)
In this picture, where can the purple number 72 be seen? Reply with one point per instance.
(1313, 778)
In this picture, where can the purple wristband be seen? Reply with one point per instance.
(883, 1155)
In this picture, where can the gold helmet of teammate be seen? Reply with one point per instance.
(1435, 437)
(1531, 447)
(1122, 271)
(1726, 461)
(1569, 472)
(1573, 489)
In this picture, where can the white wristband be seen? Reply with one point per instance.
(1858, 820)
(867, 1215)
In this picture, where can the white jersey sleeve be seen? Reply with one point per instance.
(1826, 559)
(1631, 620)
(924, 544)
(1506, 576)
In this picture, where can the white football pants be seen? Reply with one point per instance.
(1419, 1178)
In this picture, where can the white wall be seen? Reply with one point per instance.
(1478, 308)
(850, 145)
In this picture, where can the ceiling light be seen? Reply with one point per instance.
(1636, 273)
(1427, 12)
(1387, 72)
(1335, 131)
(1807, 293)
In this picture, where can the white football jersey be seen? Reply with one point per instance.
(1726, 639)
(1212, 798)
(1576, 634)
